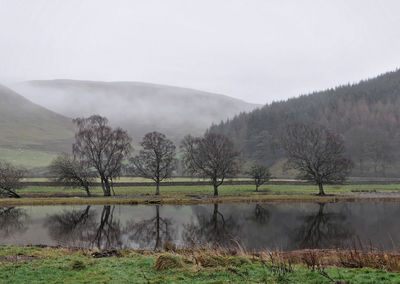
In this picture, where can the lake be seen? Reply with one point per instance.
(284, 226)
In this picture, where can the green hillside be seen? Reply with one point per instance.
(29, 133)
(366, 113)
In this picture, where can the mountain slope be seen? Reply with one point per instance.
(137, 107)
(24, 124)
(366, 113)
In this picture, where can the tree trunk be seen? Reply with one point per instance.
(321, 189)
(257, 187)
(87, 191)
(13, 194)
(157, 188)
(215, 190)
(106, 187)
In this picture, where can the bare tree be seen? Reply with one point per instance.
(10, 179)
(156, 160)
(72, 172)
(102, 148)
(317, 154)
(260, 174)
(212, 156)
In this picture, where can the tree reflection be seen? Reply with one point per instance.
(212, 230)
(322, 230)
(261, 215)
(108, 233)
(77, 227)
(151, 233)
(12, 220)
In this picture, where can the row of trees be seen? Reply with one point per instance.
(367, 114)
(102, 152)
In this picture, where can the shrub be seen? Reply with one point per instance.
(77, 265)
(168, 261)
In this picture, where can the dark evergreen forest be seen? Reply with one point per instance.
(367, 114)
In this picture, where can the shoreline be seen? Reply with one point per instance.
(48, 264)
(190, 200)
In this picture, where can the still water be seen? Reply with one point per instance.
(284, 226)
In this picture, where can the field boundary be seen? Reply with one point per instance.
(201, 183)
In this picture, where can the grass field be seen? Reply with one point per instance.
(41, 195)
(27, 158)
(48, 265)
(224, 190)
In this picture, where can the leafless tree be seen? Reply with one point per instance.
(72, 172)
(260, 174)
(10, 179)
(317, 154)
(212, 156)
(102, 148)
(156, 160)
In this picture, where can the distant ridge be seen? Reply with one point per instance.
(136, 106)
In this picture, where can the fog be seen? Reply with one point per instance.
(137, 107)
(255, 50)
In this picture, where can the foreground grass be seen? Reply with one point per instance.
(49, 265)
(42, 195)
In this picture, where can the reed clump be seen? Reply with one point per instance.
(168, 261)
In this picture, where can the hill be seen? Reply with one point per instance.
(29, 130)
(137, 107)
(367, 114)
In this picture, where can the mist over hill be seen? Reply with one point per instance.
(367, 114)
(137, 107)
(24, 124)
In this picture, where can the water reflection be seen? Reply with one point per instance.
(212, 229)
(261, 214)
(322, 229)
(12, 220)
(287, 226)
(86, 228)
(151, 232)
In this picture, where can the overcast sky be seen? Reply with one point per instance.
(256, 50)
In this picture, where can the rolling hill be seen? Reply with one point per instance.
(137, 107)
(367, 114)
(28, 125)
(31, 134)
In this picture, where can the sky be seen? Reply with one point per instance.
(256, 50)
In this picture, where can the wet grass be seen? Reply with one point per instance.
(49, 265)
(224, 190)
(196, 194)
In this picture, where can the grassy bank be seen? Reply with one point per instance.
(47, 195)
(49, 265)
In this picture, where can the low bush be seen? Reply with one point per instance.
(168, 261)
(77, 265)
